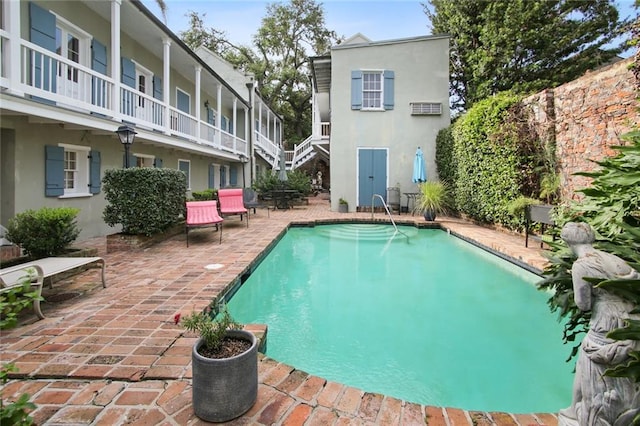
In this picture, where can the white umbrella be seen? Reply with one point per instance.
(282, 174)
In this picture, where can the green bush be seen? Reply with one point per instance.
(207, 194)
(445, 160)
(296, 179)
(145, 201)
(300, 181)
(611, 205)
(44, 232)
(12, 302)
(266, 182)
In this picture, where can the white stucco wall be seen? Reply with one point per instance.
(421, 67)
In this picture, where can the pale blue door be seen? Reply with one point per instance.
(372, 176)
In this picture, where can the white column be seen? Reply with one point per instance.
(247, 136)
(198, 76)
(219, 114)
(235, 123)
(115, 57)
(11, 53)
(166, 83)
(275, 129)
(269, 126)
(260, 115)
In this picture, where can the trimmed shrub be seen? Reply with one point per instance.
(44, 232)
(296, 179)
(145, 201)
(445, 160)
(300, 181)
(205, 195)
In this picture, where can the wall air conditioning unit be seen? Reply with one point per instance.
(426, 108)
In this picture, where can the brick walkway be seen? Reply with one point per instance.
(113, 356)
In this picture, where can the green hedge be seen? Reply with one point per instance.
(144, 200)
(445, 160)
(44, 232)
(296, 179)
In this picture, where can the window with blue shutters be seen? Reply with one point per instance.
(71, 171)
(372, 90)
(185, 166)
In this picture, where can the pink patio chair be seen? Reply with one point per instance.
(232, 202)
(201, 214)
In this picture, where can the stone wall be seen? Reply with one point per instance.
(586, 117)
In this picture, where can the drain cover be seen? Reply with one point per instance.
(214, 266)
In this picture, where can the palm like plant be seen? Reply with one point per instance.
(434, 198)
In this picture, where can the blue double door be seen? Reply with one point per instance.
(372, 176)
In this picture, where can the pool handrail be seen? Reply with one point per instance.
(384, 204)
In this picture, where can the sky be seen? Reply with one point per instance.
(376, 19)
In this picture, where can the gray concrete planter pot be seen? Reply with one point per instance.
(224, 389)
(343, 208)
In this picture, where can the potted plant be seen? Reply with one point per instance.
(433, 198)
(224, 362)
(343, 206)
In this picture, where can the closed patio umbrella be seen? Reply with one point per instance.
(282, 174)
(419, 168)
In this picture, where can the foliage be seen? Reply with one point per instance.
(433, 196)
(490, 159)
(300, 181)
(12, 301)
(518, 207)
(342, 201)
(144, 200)
(611, 205)
(297, 180)
(266, 182)
(207, 194)
(522, 45)
(445, 159)
(289, 34)
(44, 232)
(211, 327)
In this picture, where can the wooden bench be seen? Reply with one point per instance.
(45, 268)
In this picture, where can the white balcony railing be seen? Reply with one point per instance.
(53, 79)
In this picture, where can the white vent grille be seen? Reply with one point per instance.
(426, 108)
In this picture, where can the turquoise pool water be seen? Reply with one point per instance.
(429, 318)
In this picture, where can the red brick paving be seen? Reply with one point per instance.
(114, 356)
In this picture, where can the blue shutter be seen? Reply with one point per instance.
(157, 87)
(43, 33)
(211, 117)
(233, 175)
(184, 167)
(223, 123)
(211, 176)
(223, 178)
(388, 89)
(356, 89)
(128, 78)
(99, 64)
(53, 171)
(157, 163)
(230, 126)
(182, 102)
(94, 172)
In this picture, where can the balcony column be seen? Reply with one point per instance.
(166, 83)
(275, 129)
(198, 77)
(115, 58)
(235, 125)
(260, 116)
(269, 126)
(11, 54)
(247, 136)
(219, 115)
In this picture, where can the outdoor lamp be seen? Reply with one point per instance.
(244, 160)
(126, 135)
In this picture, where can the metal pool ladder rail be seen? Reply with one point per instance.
(388, 213)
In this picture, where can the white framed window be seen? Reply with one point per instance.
(185, 166)
(144, 82)
(73, 44)
(372, 89)
(144, 160)
(76, 170)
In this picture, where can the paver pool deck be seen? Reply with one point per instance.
(114, 355)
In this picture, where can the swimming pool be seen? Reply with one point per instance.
(427, 318)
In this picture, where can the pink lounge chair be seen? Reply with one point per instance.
(201, 214)
(232, 202)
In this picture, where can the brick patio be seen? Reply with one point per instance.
(114, 356)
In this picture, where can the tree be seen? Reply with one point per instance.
(522, 45)
(289, 34)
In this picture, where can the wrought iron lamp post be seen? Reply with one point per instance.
(244, 160)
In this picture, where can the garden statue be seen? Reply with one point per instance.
(319, 178)
(600, 399)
